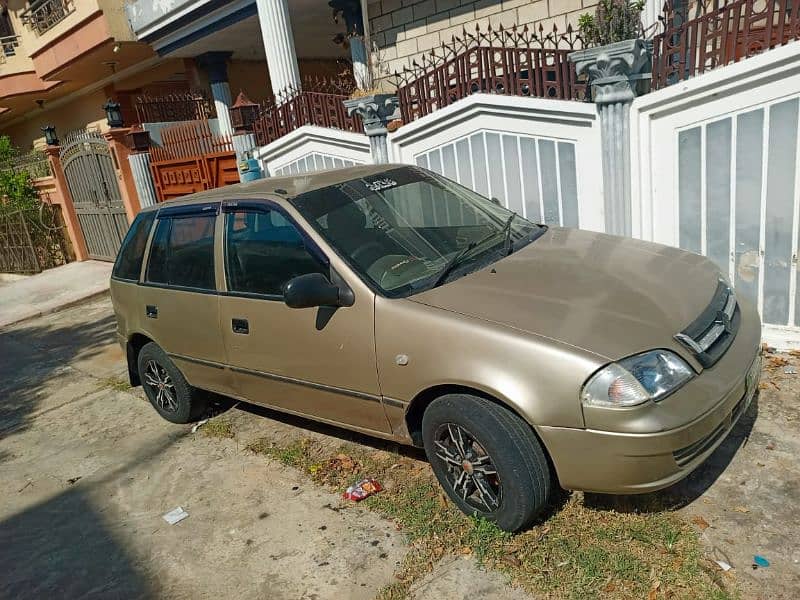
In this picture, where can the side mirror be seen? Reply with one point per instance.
(310, 290)
(496, 201)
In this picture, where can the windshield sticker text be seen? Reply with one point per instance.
(380, 184)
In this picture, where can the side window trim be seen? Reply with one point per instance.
(264, 207)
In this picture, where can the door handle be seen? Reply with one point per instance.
(240, 326)
(151, 311)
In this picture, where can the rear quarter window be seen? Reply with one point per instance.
(129, 259)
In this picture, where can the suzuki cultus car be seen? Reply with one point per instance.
(392, 301)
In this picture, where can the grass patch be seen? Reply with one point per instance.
(218, 428)
(116, 384)
(583, 549)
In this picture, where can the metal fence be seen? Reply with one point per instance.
(46, 14)
(179, 106)
(320, 103)
(35, 163)
(32, 240)
(515, 61)
(720, 32)
(190, 139)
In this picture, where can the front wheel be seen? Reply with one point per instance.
(487, 459)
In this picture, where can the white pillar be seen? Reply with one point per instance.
(650, 13)
(215, 65)
(278, 39)
(358, 53)
(221, 93)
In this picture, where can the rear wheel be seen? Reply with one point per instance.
(487, 459)
(166, 388)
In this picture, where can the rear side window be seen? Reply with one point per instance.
(129, 258)
(182, 253)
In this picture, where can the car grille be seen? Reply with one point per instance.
(710, 335)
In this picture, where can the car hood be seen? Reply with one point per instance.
(609, 295)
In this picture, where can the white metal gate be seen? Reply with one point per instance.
(718, 162)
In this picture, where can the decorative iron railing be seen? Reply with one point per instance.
(720, 32)
(192, 139)
(514, 62)
(35, 163)
(178, 106)
(319, 103)
(43, 15)
(8, 47)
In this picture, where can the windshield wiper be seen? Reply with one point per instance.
(508, 244)
(458, 258)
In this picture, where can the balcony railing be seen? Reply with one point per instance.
(512, 62)
(179, 106)
(9, 45)
(320, 103)
(724, 32)
(43, 15)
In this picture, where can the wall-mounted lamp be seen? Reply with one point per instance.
(50, 135)
(113, 114)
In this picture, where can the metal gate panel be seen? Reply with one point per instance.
(91, 177)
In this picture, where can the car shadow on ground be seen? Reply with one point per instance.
(34, 354)
(694, 485)
(221, 404)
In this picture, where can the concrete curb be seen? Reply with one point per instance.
(93, 295)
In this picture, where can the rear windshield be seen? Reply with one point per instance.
(129, 259)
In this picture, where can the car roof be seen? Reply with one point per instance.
(284, 187)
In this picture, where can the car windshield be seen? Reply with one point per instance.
(407, 229)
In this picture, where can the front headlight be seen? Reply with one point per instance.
(636, 379)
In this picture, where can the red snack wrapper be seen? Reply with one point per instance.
(362, 489)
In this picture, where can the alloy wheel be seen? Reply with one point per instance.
(161, 386)
(470, 470)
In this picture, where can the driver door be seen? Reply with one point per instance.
(318, 362)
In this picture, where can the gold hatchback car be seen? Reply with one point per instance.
(392, 301)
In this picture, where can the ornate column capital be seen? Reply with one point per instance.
(615, 71)
(376, 111)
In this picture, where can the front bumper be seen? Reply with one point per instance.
(631, 463)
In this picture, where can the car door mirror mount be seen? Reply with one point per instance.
(312, 290)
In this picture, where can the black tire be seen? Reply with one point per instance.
(522, 481)
(178, 402)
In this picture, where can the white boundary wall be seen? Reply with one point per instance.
(540, 157)
(715, 171)
(312, 148)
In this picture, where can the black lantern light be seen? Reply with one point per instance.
(50, 135)
(113, 114)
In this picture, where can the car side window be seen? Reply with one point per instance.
(182, 252)
(264, 250)
(131, 253)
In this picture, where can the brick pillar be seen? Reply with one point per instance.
(127, 184)
(67, 206)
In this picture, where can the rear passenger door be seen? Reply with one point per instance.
(179, 297)
(316, 361)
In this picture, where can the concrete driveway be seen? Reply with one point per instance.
(88, 469)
